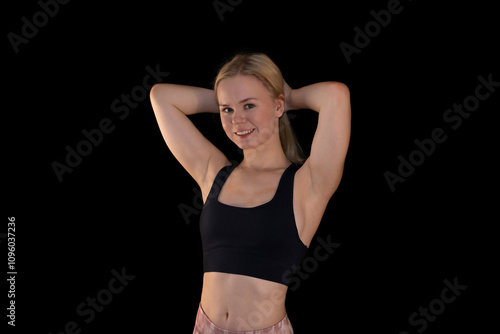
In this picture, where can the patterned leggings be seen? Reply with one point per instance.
(205, 326)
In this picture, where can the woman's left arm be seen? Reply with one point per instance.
(325, 164)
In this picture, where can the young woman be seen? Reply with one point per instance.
(260, 215)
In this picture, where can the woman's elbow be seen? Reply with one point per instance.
(339, 89)
(156, 91)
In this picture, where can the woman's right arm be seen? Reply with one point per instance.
(171, 103)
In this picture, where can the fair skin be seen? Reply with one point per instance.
(237, 302)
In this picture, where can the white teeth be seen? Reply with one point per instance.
(242, 133)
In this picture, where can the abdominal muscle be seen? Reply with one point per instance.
(242, 303)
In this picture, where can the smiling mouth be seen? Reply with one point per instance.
(244, 133)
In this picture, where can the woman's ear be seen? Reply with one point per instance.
(280, 105)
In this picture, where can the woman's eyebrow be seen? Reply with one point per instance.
(242, 101)
(248, 99)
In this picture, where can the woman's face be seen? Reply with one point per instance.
(249, 114)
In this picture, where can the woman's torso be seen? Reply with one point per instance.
(239, 302)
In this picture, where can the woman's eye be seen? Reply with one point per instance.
(227, 110)
(249, 106)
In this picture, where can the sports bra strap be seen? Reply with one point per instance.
(220, 179)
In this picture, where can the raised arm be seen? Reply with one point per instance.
(320, 175)
(325, 164)
(171, 103)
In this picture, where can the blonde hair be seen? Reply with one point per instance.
(264, 69)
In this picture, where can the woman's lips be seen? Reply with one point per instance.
(244, 133)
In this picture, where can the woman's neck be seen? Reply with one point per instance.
(266, 156)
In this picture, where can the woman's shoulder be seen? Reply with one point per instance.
(214, 168)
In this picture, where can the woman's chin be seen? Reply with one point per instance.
(244, 146)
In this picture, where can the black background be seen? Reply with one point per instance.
(119, 208)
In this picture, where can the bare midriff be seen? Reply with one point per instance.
(242, 303)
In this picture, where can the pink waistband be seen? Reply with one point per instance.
(205, 326)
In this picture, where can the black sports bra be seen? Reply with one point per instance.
(261, 241)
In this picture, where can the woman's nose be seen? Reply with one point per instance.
(238, 117)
